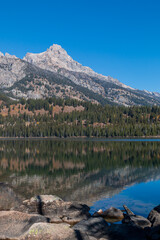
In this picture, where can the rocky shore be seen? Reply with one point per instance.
(47, 217)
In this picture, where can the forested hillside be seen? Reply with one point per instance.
(55, 117)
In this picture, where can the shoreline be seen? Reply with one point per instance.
(143, 138)
(50, 217)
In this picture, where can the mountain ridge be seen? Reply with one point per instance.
(60, 59)
(55, 73)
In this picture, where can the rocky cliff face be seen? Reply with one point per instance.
(11, 70)
(56, 58)
(55, 73)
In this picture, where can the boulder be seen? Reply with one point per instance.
(110, 215)
(14, 224)
(56, 209)
(37, 203)
(94, 226)
(154, 216)
(136, 220)
(47, 231)
(97, 228)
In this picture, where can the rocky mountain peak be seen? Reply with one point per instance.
(66, 78)
(56, 58)
(55, 48)
(7, 55)
(57, 52)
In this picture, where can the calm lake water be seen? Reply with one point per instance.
(98, 173)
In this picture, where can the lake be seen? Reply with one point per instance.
(100, 173)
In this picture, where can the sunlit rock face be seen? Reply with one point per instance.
(55, 73)
(56, 58)
(11, 70)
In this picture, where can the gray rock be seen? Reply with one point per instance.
(46, 231)
(11, 70)
(154, 216)
(110, 215)
(54, 207)
(136, 220)
(14, 224)
(94, 226)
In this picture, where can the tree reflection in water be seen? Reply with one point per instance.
(77, 170)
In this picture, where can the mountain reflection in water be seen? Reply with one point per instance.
(85, 171)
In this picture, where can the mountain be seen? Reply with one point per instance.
(56, 59)
(55, 73)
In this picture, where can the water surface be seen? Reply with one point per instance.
(99, 173)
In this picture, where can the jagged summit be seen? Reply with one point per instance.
(7, 55)
(58, 52)
(56, 58)
(55, 73)
(56, 47)
(10, 56)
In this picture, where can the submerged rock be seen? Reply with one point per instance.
(110, 215)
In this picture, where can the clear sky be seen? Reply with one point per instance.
(120, 38)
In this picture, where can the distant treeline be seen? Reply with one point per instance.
(94, 121)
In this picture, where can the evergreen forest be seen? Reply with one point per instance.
(94, 120)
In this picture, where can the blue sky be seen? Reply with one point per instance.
(119, 38)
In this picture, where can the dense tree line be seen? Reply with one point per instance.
(94, 121)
